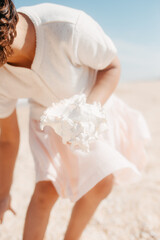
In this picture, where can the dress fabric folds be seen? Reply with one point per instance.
(119, 151)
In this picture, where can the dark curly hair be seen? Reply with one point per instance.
(8, 21)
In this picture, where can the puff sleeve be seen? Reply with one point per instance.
(7, 106)
(93, 47)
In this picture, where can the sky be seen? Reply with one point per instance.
(134, 27)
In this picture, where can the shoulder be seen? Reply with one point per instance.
(94, 47)
(88, 28)
(49, 12)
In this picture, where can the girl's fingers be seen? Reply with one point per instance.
(11, 209)
(1, 220)
(6, 205)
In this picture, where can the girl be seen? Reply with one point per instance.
(50, 52)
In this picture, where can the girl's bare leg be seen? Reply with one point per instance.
(84, 208)
(38, 212)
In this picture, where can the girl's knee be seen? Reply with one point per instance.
(104, 187)
(45, 193)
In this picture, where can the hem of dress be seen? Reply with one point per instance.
(87, 186)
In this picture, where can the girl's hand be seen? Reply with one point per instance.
(5, 204)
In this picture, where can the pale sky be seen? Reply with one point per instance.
(134, 27)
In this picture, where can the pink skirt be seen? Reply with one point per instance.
(120, 151)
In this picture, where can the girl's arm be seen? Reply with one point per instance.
(107, 80)
(9, 144)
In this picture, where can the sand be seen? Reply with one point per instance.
(129, 213)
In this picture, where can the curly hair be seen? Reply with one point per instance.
(8, 21)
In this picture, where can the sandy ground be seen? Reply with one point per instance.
(129, 213)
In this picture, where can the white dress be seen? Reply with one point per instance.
(70, 48)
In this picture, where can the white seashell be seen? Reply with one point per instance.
(76, 121)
